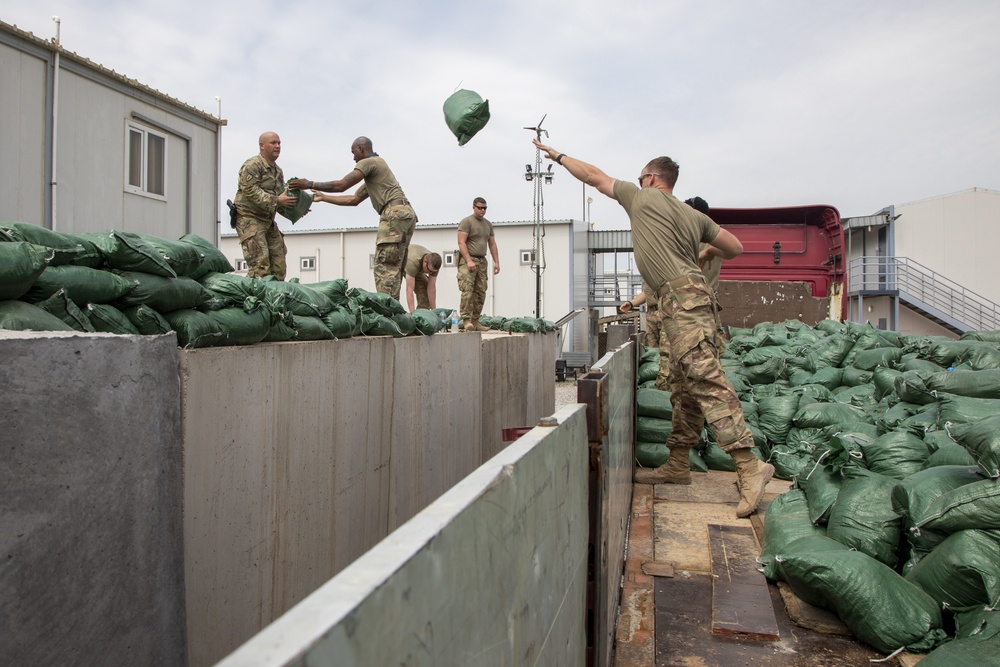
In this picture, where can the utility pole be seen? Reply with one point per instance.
(539, 178)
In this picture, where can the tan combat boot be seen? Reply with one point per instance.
(752, 476)
(476, 326)
(677, 469)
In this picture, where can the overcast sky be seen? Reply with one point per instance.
(855, 103)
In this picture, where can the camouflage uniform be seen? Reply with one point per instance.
(264, 250)
(472, 284)
(396, 222)
(691, 337)
(415, 268)
(654, 337)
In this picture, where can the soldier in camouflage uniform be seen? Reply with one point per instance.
(654, 331)
(475, 235)
(421, 270)
(667, 236)
(397, 218)
(261, 192)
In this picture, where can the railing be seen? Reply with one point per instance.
(925, 289)
(612, 289)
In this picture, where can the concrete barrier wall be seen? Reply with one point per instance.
(91, 568)
(299, 457)
(494, 572)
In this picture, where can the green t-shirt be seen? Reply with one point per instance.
(380, 184)
(414, 259)
(666, 233)
(479, 232)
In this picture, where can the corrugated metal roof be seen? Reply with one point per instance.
(51, 45)
(617, 240)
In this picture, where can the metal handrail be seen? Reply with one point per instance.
(917, 283)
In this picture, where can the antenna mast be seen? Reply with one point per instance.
(539, 178)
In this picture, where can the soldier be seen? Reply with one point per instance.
(422, 268)
(475, 235)
(261, 192)
(396, 217)
(667, 235)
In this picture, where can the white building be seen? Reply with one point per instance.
(87, 149)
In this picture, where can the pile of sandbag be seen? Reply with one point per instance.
(893, 447)
(128, 283)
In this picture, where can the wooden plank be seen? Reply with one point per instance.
(741, 602)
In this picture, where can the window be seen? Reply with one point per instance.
(145, 161)
(527, 257)
(449, 258)
(240, 264)
(307, 263)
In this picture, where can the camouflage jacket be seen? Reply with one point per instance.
(259, 187)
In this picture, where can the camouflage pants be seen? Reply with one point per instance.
(699, 388)
(420, 291)
(654, 338)
(263, 247)
(395, 229)
(472, 285)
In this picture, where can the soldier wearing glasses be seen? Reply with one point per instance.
(667, 236)
(475, 236)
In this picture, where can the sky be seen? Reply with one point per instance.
(856, 103)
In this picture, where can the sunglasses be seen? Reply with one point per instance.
(479, 208)
(644, 176)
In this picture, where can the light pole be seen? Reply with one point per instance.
(539, 178)
(590, 200)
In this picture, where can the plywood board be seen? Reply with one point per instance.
(741, 603)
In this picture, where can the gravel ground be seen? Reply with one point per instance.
(566, 392)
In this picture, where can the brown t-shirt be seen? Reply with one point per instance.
(479, 232)
(666, 233)
(380, 183)
(414, 259)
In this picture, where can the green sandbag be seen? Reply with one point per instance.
(798, 376)
(883, 379)
(819, 415)
(811, 393)
(858, 395)
(147, 321)
(821, 485)
(184, 258)
(911, 387)
(971, 506)
(128, 251)
(407, 325)
(982, 440)
(21, 316)
(376, 302)
(776, 414)
(879, 606)
(296, 297)
(971, 651)
(952, 455)
(830, 351)
(163, 294)
(212, 258)
(990, 336)
(775, 368)
(963, 409)
(21, 264)
(868, 360)
(195, 329)
(336, 290)
(830, 377)
(803, 546)
(303, 201)
(648, 371)
(917, 493)
(310, 328)
(64, 249)
(344, 321)
(786, 520)
(919, 364)
(373, 324)
(652, 429)
(466, 113)
(82, 284)
(108, 319)
(243, 326)
(794, 456)
(762, 354)
(854, 376)
(863, 518)
(60, 305)
(529, 325)
(427, 321)
(234, 288)
(651, 454)
(897, 454)
(891, 419)
(977, 384)
(280, 331)
(649, 354)
(963, 572)
(717, 459)
(653, 403)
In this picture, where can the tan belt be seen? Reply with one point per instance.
(683, 281)
(396, 202)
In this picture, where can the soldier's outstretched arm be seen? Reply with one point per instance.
(580, 170)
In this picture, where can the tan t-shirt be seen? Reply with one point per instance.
(479, 232)
(666, 233)
(414, 259)
(380, 183)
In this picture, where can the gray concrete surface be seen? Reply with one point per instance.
(90, 500)
(492, 573)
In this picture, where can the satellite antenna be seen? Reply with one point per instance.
(538, 244)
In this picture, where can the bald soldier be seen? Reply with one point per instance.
(422, 268)
(261, 191)
(396, 220)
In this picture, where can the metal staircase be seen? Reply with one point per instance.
(929, 293)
